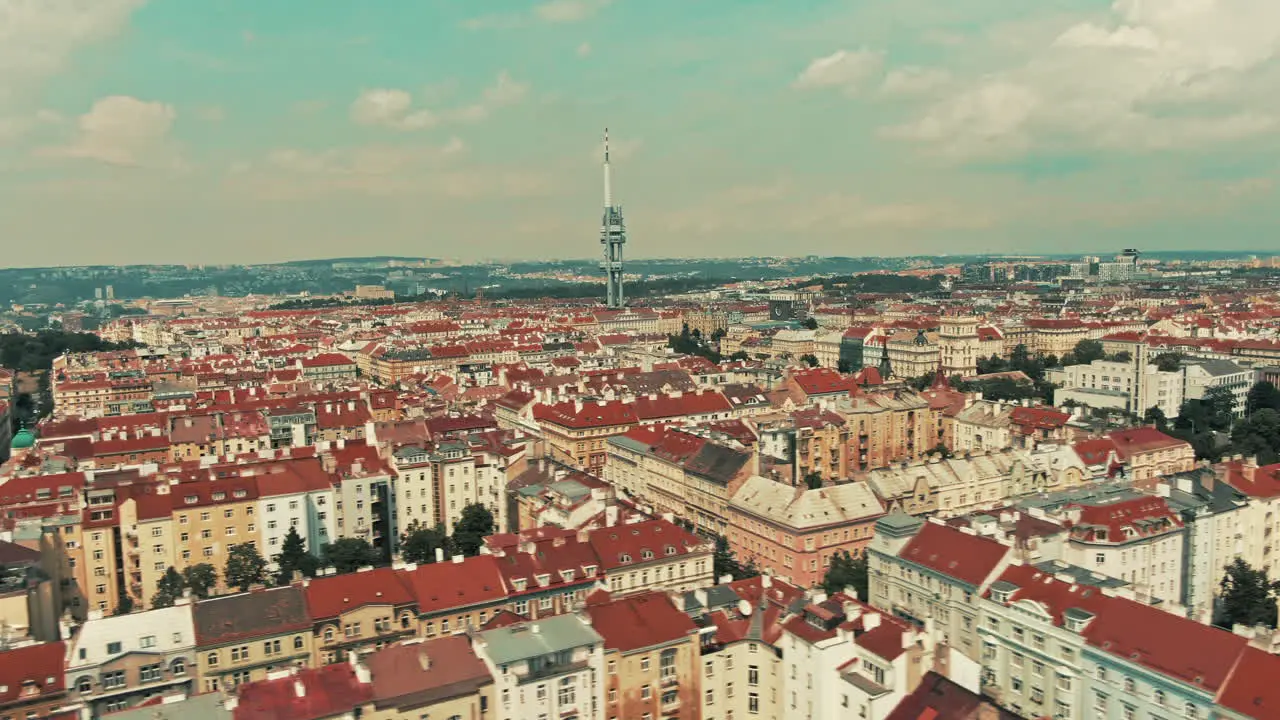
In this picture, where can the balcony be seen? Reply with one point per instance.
(669, 680)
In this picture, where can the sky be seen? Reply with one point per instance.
(241, 131)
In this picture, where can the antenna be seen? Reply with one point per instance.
(608, 189)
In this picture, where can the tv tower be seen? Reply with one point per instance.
(613, 235)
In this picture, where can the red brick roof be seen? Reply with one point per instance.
(1143, 517)
(592, 415)
(639, 621)
(1142, 439)
(968, 558)
(431, 671)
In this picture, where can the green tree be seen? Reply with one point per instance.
(293, 558)
(1262, 396)
(1168, 362)
(1221, 402)
(348, 554)
(1122, 356)
(846, 571)
(740, 356)
(1246, 597)
(1086, 351)
(201, 579)
(810, 360)
(809, 323)
(474, 525)
(813, 480)
(724, 561)
(419, 543)
(844, 367)
(245, 566)
(1155, 416)
(1258, 436)
(125, 604)
(168, 588)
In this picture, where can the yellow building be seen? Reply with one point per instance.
(211, 516)
(359, 612)
(242, 637)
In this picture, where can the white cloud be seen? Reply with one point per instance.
(843, 68)
(567, 11)
(123, 130)
(391, 108)
(914, 80)
(38, 36)
(1153, 75)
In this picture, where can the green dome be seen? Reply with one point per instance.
(23, 439)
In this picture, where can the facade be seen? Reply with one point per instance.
(359, 613)
(440, 678)
(32, 683)
(651, 654)
(959, 345)
(241, 638)
(117, 662)
(651, 555)
(794, 533)
(545, 669)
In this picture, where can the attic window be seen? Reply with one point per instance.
(1001, 596)
(670, 550)
(190, 499)
(239, 493)
(624, 557)
(219, 496)
(646, 554)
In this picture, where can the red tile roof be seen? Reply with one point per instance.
(624, 545)
(1251, 688)
(639, 621)
(447, 585)
(591, 415)
(329, 597)
(1142, 439)
(40, 665)
(968, 558)
(1143, 517)
(310, 694)
(426, 672)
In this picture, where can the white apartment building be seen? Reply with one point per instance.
(1135, 538)
(549, 668)
(1199, 376)
(1129, 386)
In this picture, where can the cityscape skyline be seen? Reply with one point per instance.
(138, 135)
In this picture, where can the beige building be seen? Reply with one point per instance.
(652, 657)
(441, 678)
(959, 345)
(913, 353)
(359, 612)
(209, 517)
(242, 637)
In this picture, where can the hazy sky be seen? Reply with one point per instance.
(263, 130)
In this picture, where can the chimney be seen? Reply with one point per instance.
(457, 559)
(439, 554)
(424, 661)
(870, 621)
(299, 689)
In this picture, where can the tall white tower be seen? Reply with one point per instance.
(613, 235)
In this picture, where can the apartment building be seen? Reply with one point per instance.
(651, 555)
(440, 678)
(32, 682)
(294, 495)
(456, 595)
(794, 532)
(361, 612)
(117, 662)
(651, 654)
(576, 432)
(210, 516)
(929, 571)
(546, 668)
(241, 638)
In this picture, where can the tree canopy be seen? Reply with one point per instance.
(29, 353)
(846, 571)
(293, 558)
(245, 566)
(1247, 597)
(168, 588)
(475, 524)
(1262, 396)
(348, 554)
(201, 579)
(419, 543)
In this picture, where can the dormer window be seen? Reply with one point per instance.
(647, 554)
(239, 493)
(1000, 596)
(624, 557)
(566, 575)
(219, 496)
(190, 499)
(544, 579)
(519, 584)
(670, 550)
(589, 570)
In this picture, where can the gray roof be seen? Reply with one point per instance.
(537, 638)
(208, 706)
(1218, 368)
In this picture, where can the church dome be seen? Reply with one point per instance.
(23, 439)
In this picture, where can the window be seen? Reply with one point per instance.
(149, 673)
(239, 653)
(541, 693)
(670, 697)
(644, 664)
(613, 695)
(546, 603)
(297, 642)
(753, 675)
(753, 703)
(711, 698)
(568, 693)
(211, 660)
(271, 647)
(646, 692)
(178, 666)
(114, 648)
(113, 680)
(1191, 711)
(710, 669)
(613, 667)
(1129, 685)
(84, 685)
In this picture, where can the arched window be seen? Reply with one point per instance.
(297, 642)
(84, 685)
(178, 666)
(211, 659)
